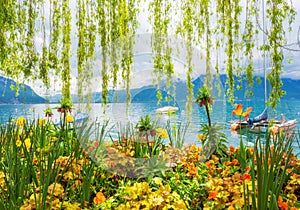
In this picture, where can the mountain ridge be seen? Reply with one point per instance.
(148, 93)
(25, 93)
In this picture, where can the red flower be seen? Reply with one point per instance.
(213, 194)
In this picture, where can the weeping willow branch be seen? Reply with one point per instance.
(186, 30)
(81, 53)
(114, 24)
(277, 12)
(161, 50)
(66, 53)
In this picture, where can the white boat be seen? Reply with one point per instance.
(261, 126)
(166, 110)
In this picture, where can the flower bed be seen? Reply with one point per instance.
(48, 167)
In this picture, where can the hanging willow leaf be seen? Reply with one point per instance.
(187, 31)
(201, 23)
(114, 37)
(102, 25)
(81, 53)
(55, 42)
(248, 40)
(44, 61)
(66, 52)
(277, 12)
(128, 24)
(156, 41)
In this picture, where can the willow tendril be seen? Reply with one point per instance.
(110, 22)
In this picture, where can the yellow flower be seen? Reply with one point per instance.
(70, 206)
(157, 180)
(18, 142)
(70, 118)
(201, 137)
(34, 198)
(56, 188)
(68, 175)
(21, 121)
(42, 122)
(27, 143)
(162, 133)
(2, 180)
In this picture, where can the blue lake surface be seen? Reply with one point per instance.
(119, 114)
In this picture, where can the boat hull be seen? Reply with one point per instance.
(262, 126)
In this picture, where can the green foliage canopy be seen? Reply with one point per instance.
(109, 27)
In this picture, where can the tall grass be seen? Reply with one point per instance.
(176, 133)
(37, 159)
(270, 161)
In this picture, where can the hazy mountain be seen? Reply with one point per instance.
(25, 95)
(148, 93)
(292, 88)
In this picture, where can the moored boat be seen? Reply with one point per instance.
(166, 110)
(261, 122)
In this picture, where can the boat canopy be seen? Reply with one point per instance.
(262, 116)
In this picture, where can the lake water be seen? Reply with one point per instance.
(116, 113)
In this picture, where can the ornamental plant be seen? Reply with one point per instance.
(204, 99)
(41, 170)
(176, 133)
(213, 140)
(48, 112)
(242, 152)
(272, 160)
(145, 126)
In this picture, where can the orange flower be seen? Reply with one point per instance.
(192, 170)
(239, 111)
(282, 205)
(293, 163)
(100, 198)
(236, 176)
(201, 137)
(210, 164)
(247, 168)
(232, 149)
(213, 194)
(227, 163)
(231, 208)
(246, 177)
(274, 129)
(216, 159)
(235, 162)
